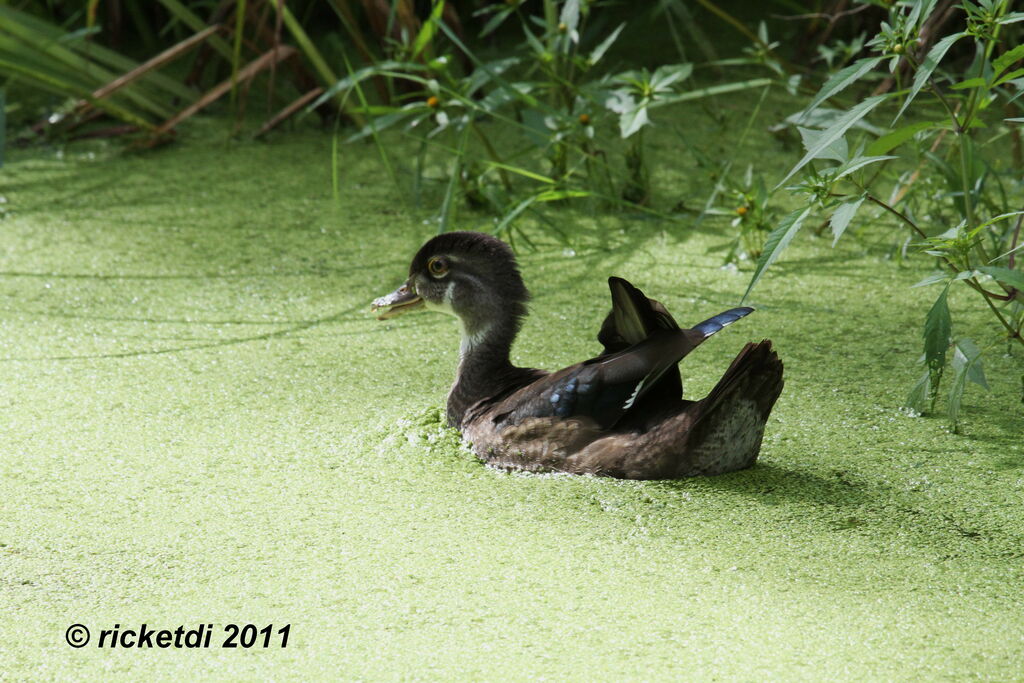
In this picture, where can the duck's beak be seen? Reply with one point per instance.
(400, 301)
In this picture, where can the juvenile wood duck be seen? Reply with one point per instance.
(620, 414)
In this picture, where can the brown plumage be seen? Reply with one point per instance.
(619, 414)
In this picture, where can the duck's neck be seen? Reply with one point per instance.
(483, 365)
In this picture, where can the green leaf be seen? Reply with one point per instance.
(632, 115)
(507, 219)
(602, 48)
(969, 83)
(1016, 73)
(711, 91)
(919, 394)
(558, 195)
(1010, 278)
(920, 11)
(777, 241)
(966, 366)
(842, 217)
(838, 150)
(1007, 59)
(937, 328)
(429, 28)
(835, 131)
(891, 141)
(858, 163)
(927, 67)
(975, 370)
(842, 79)
(931, 280)
(666, 75)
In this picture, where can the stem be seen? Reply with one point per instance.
(972, 283)
(1014, 334)
(903, 217)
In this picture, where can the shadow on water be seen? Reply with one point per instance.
(770, 484)
(875, 510)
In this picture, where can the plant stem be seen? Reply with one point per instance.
(1013, 333)
(903, 217)
(972, 282)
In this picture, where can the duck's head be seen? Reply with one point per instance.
(471, 275)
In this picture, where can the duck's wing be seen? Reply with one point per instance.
(633, 318)
(605, 388)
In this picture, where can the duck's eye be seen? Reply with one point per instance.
(437, 266)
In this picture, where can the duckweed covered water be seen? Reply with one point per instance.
(203, 424)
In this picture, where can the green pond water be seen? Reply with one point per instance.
(202, 423)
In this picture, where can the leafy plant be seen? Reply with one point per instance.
(971, 223)
(569, 117)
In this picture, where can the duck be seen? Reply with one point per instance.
(619, 414)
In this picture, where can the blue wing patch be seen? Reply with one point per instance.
(563, 398)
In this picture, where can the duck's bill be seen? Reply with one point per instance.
(400, 301)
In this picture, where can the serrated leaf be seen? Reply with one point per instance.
(938, 325)
(918, 395)
(891, 141)
(777, 241)
(966, 366)
(1006, 276)
(920, 11)
(972, 354)
(1009, 76)
(835, 131)
(859, 163)
(842, 217)
(665, 76)
(927, 67)
(837, 151)
(841, 79)
(632, 120)
(1007, 59)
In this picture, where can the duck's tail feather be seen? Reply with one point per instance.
(716, 322)
(729, 424)
(633, 317)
